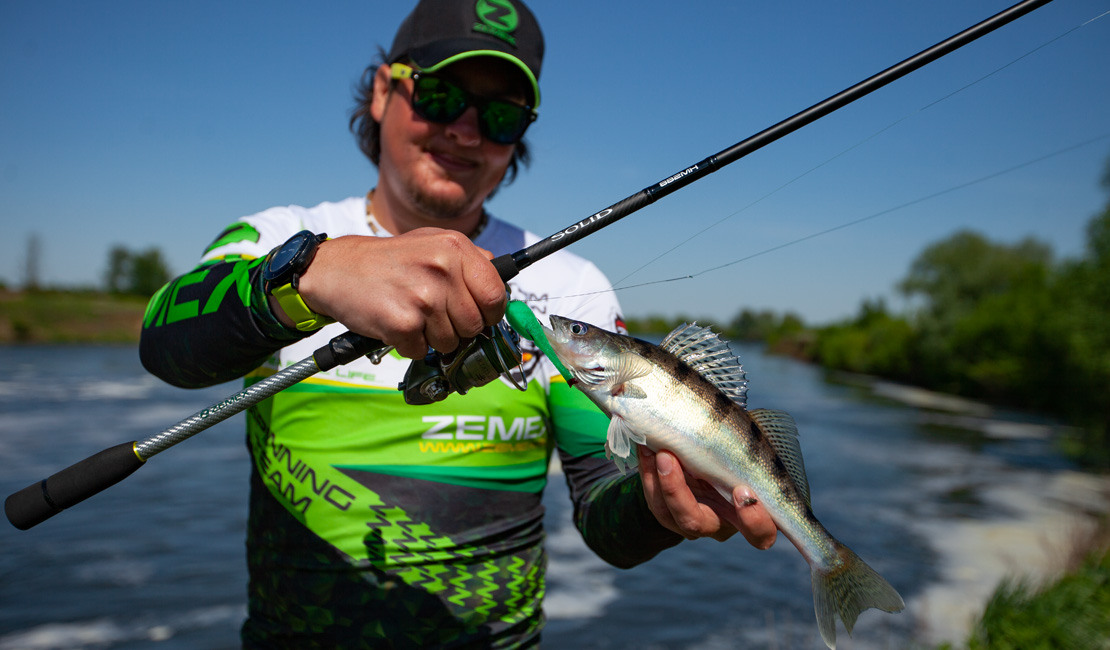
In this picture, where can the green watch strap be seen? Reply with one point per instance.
(293, 305)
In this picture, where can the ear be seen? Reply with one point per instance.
(382, 82)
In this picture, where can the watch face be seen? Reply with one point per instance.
(286, 253)
(283, 257)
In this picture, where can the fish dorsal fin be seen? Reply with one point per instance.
(704, 351)
(782, 432)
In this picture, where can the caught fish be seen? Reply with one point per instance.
(689, 396)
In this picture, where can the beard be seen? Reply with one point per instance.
(440, 206)
(435, 205)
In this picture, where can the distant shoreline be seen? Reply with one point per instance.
(69, 317)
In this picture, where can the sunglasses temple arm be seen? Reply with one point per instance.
(510, 265)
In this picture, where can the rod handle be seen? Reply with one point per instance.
(40, 501)
(344, 349)
(506, 267)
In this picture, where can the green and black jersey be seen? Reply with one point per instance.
(378, 524)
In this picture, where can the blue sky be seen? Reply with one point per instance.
(156, 124)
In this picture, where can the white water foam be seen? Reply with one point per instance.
(111, 390)
(579, 584)
(102, 632)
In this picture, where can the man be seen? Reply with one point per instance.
(374, 523)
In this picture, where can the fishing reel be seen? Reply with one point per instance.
(477, 362)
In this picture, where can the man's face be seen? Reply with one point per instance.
(443, 171)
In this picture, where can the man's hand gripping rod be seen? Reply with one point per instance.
(40, 501)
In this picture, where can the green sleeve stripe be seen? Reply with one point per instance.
(156, 306)
(164, 307)
(236, 232)
(189, 308)
(240, 277)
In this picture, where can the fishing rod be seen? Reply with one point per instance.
(482, 360)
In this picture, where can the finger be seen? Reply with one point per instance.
(466, 320)
(412, 346)
(693, 519)
(755, 522)
(727, 521)
(440, 330)
(485, 287)
(653, 493)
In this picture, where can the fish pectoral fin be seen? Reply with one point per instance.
(611, 376)
(621, 436)
(782, 432)
(629, 366)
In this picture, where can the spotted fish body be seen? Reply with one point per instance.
(688, 396)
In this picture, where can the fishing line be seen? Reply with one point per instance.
(854, 222)
(835, 157)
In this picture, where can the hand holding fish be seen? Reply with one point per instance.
(691, 508)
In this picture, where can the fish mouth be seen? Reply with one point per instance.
(558, 338)
(559, 333)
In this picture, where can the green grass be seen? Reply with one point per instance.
(69, 317)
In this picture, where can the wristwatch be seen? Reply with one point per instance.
(281, 273)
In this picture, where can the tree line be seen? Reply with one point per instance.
(140, 273)
(1005, 323)
(136, 273)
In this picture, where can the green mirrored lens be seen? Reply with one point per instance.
(504, 122)
(440, 101)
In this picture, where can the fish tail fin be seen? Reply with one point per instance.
(847, 589)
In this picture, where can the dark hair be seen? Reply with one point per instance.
(369, 132)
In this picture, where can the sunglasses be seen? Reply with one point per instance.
(438, 100)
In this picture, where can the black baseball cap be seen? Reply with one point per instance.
(440, 32)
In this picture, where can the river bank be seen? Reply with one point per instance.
(1041, 519)
(69, 317)
(1046, 521)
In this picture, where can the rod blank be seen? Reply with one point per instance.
(509, 265)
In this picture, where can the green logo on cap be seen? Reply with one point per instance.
(497, 18)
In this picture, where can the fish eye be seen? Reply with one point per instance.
(578, 328)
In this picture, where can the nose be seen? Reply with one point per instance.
(465, 129)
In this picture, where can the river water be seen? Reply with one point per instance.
(941, 497)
